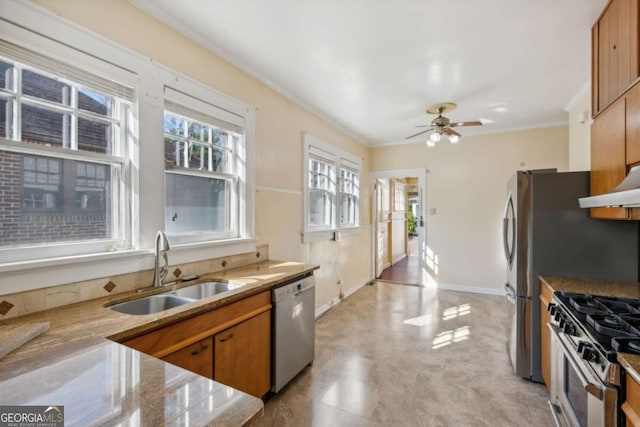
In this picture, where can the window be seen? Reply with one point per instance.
(204, 170)
(332, 187)
(63, 139)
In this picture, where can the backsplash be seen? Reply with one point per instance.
(21, 303)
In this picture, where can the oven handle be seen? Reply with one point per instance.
(591, 388)
(554, 410)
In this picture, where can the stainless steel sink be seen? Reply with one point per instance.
(150, 304)
(205, 289)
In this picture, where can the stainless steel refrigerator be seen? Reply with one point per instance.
(546, 233)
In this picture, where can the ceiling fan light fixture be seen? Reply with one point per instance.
(430, 143)
(454, 139)
(434, 137)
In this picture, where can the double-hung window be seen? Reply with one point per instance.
(64, 144)
(332, 188)
(205, 170)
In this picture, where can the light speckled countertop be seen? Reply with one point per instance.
(630, 362)
(102, 382)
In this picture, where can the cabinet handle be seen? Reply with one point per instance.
(200, 350)
(227, 338)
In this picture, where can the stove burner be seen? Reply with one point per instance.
(626, 345)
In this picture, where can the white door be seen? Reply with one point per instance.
(382, 225)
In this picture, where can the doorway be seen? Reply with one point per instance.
(399, 232)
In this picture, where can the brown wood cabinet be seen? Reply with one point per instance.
(199, 344)
(631, 406)
(632, 125)
(608, 158)
(196, 358)
(615, 59)
(242, 356)
(546, 294)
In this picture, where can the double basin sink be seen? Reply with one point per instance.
(177, 297)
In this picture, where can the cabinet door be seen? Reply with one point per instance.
(631, 406)
(614, 52)
(607, 64)
(242, 355)
(633, 125)
(545, 335)
(196, 358)
(608, 161)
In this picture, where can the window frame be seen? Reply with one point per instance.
(202, 105)
(314, 147)
(119, 213)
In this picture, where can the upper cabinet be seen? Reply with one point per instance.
(615, 59)
(615, 133)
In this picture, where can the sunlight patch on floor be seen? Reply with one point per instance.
(453, 312)
(446, 338)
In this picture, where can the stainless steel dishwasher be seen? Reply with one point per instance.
(293, 329)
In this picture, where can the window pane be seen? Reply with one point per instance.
(174, 153)
(196, 204)
(319, 208)
(44, 126)
(6, 118)
(199, 132)
(50, 200)
(94, 102)
(42, 87)
(174, 124)
(92, 183)
(95, 136)
(6, 76)
(221, 138)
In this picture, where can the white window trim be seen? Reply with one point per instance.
(27, 24)
(312, 234)
(91, 65)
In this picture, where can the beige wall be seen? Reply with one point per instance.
(279, 127)
(580, 131)
(466, 185)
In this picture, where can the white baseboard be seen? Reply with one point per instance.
(472, 289)
(335, 300)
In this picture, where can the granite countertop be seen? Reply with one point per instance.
(77, 364)
(630, 362)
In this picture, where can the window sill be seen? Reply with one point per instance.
(332, 234)
(69, 260)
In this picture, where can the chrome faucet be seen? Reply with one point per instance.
(162, 247)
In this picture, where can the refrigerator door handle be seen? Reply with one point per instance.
(510, 293)
(509, 247)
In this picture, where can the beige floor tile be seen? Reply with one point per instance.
(395, 355)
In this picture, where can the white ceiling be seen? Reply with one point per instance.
(373, 66)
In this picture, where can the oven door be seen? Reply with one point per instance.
(578, 397)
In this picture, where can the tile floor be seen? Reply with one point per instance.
(397, 355)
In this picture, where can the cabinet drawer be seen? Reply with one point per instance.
(167, 340)
(196, 358)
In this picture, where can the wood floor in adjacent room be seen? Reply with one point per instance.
(397, 355)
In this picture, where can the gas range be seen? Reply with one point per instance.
(588, 331)
(599, 327)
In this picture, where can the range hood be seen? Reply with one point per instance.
(625, 195)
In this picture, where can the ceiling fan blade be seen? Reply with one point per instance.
(456, 124)
(450, 132)
(423, 126)
(419, 133)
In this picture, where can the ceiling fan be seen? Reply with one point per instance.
(441, 125)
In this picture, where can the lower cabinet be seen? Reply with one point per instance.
(231, 344)
(631, 406)
(546, 295)
(195, 358)
(242, 355)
